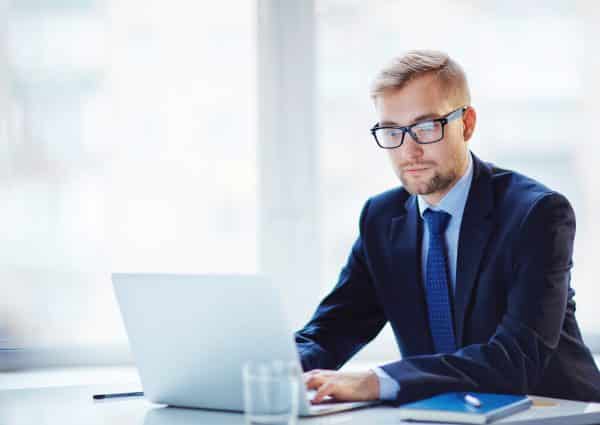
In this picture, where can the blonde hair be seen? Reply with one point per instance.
(418, 63)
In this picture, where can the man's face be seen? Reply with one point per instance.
(430, 170)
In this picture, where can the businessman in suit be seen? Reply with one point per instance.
(470, 263)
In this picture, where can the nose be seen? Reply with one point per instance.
(411, 150)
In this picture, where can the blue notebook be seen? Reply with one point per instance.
(468, 408)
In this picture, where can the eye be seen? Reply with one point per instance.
(392, 132)
(426, 126)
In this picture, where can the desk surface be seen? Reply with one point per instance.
(74, 405)
(57, 400)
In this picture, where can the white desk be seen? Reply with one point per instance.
(58, 401)
(74, 405)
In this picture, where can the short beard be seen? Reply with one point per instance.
(437, 183)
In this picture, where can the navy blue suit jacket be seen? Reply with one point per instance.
(513, 307)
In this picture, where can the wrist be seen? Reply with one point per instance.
(372, 385)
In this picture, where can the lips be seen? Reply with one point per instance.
(415, 170)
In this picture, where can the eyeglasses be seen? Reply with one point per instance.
(424, 132)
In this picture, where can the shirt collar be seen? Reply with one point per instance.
(454, 201)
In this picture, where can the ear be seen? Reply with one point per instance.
(469, 121)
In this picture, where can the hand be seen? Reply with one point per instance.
(342, 386)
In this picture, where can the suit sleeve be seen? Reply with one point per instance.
(514, 358)
(347, 319)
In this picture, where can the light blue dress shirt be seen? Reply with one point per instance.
(454, 204)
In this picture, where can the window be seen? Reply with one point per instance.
(131, 130)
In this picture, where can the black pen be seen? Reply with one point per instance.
(115, 395)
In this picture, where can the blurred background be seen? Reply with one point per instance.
(232, 137)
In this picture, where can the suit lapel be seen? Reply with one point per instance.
(405, 257)
(475, 231)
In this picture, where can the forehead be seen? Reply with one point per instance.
(419, 97)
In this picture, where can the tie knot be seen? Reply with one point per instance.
(437, 221)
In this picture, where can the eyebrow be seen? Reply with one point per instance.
(422, 117)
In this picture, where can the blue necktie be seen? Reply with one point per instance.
(436, 283)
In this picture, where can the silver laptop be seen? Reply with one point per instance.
(191, 334)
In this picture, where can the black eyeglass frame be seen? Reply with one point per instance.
(453, 115)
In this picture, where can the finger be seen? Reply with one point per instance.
(324, 391)
(314, 382)
(310, 373)
(319, 376)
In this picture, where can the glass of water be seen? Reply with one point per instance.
(271, 392)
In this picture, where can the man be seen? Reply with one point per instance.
(468, 262)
